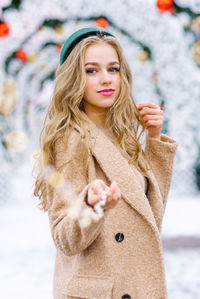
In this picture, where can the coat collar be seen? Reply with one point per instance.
(117, 168)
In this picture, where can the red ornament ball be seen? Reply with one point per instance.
(165, 5)
(59, 47)
(21, 55)
(4, 29)
(102, 23)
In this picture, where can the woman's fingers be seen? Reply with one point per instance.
(149, 108)
(97, 186)
(93, 198)
(153, 123)
(113, 194)
(152, 118)
(95, 191)
(115, 191)
(147, 105)
(151, 112)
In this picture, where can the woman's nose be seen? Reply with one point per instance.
(105, 77)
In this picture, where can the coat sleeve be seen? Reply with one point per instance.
(160, 155)
(74, 225)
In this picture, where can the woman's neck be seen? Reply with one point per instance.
(99, 118)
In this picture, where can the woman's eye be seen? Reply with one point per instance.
(91, 71)
(114, 69)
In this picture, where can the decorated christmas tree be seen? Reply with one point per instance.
(162, 44)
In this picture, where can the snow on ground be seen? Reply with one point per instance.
(182, 216)
(27, 251)
(182, 223)
(183, 273)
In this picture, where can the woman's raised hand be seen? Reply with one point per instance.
(152, 118)
(97, 188)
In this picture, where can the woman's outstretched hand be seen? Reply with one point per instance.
(113, 194)
(152, 118)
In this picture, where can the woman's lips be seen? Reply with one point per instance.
(106, 92)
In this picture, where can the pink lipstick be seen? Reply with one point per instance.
(106, 92)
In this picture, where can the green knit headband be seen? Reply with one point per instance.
(77, 36)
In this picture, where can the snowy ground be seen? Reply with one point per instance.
(181, 238)
(27, 252)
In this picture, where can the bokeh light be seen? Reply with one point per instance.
(8, 97)
(17, 141)
(56, 179)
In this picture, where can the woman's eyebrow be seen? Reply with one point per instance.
(96, 63)
(114, 62)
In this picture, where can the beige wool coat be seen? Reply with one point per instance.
(117, 255)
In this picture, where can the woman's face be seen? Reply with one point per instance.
(102, 77)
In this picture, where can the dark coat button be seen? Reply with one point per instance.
(126, 296)
(119, 237)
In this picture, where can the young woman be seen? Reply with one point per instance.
(104, 189)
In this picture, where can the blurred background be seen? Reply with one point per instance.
(161, 40)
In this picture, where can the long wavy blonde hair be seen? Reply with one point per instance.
(66, 110)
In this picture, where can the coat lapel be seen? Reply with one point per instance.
(117, 169)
